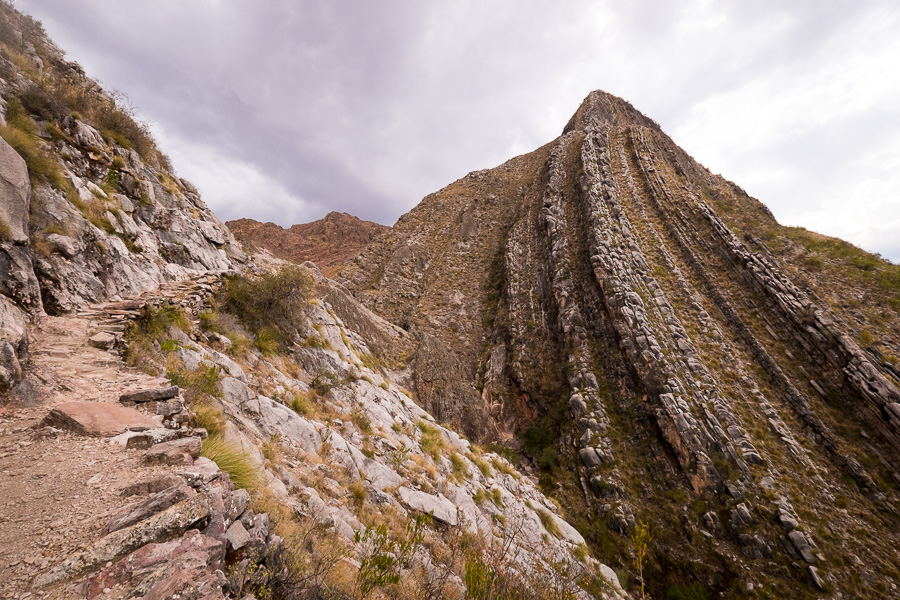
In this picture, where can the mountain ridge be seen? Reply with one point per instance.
(181, 419)
(631, 344)
(605, 290)
(330, 242)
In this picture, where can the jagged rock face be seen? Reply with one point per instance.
(83, 218)
(97, 219)
(608, 287)
(170, 234)
(331, 242)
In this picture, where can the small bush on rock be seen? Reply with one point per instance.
(270, 306)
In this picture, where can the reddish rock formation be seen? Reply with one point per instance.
(331, 242)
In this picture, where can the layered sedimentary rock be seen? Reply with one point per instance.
(609, 289)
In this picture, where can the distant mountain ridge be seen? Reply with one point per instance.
(331, 242)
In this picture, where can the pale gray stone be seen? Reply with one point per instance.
(438, 506)
(15, 194)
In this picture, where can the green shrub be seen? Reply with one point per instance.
(866, 339)
(267, 341)
(154, 322)
(548, 459)
(432, 441)
(383, 558)
(41, 100)
(195, 384)
(271, 304)
(232, 460)
(694, 591)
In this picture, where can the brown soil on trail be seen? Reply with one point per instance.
(58, 490)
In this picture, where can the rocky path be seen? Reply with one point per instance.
(58, 488)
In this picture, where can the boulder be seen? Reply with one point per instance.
(15, 194)
(97, 419)
(203, 471)
(278, 418)
(235, 391)
(103, 340)
(171, 522)
(13, 344)
(740, 517)
(224, 362)
(156, 503)
(149, 395)
(802, 545)
(237, 536)
(589, 457)
(154, 562)
(188, 584)
(151, 486)
(236, 503)
(176, 452)
(65, 245)
(11, 373)
(438, 506)
(168, 409)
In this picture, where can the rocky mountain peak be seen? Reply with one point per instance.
(594, 369)
(657, 344)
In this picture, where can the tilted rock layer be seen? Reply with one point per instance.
(730, 381)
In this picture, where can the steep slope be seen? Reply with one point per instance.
(331, 242)
(334, 446)
(90, 209)
(646, 331)
(255, 440)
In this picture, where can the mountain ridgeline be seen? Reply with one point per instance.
(664, 352)
(631, 345)
(331, 242)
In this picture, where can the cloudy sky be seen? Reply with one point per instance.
(283, 110)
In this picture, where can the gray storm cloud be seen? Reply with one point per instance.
(283, 110)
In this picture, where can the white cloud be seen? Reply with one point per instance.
(230, 187)
(283, 110)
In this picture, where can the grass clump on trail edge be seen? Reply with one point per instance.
(270, 306)
(153, 322)
(231, 460)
